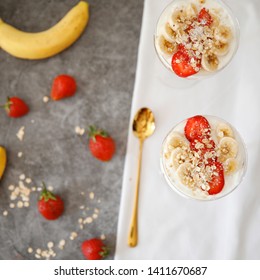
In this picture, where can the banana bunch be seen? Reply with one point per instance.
(47, 43)
(227, 148)
(2, 161)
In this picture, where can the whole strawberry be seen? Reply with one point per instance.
(15, 107)
(101, 145)
(94, 249)
(63, 86)
(51, 206)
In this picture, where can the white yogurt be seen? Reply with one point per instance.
(226, 18)
(231, 181)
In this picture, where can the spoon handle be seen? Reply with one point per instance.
(133, 233)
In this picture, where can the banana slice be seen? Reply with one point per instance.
(177, 141)
(209, 62)
(220, 48)
(224, 130)
(166, 46)
(177, 19)
(191, 11)
(178, 157)
(223, 34)
(228, 148)
(170, 34)
(185, 174)
(216, 20)
(230, 166)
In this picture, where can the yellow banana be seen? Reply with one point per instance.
(49, 42)
(2, 161)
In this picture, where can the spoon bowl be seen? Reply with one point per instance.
(144, 123)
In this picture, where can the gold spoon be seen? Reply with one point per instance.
(143, 127)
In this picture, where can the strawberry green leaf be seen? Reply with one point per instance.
(93, 132)
(46, 195)
(104, 252)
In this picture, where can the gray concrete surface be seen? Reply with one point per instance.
(103, 61)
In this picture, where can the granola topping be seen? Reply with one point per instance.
(204, 29)
(203, 164)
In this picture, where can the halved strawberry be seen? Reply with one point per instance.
(182, 49)
(217, 181)
(197, 127)
(204, 17)
(181, 64)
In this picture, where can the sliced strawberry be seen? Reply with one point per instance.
(182, 49)
(204, 17)
(197, 127)
(182, 63)
(189, 28)
(217, 181)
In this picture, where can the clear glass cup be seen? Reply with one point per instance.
(227, 18)
(232, 180)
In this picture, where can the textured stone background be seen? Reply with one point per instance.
(103, 61)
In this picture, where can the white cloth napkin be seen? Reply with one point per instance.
(170, 226)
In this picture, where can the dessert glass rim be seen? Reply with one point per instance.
(209, 74)
(212, 197)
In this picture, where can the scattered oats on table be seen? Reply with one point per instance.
(20, 154)
(45, 99)
(20, 133)
(5, 213)
(91, 195)
(22, 177)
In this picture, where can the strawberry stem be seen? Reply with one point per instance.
(93, 132)
(46, 195)
(104, 252)
(7, 105)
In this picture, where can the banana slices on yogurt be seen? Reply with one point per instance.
(179, 153)
(224, 130)
(166, 46)
(203, 157)
(204, 31)
(227, 148)
(193, 163)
